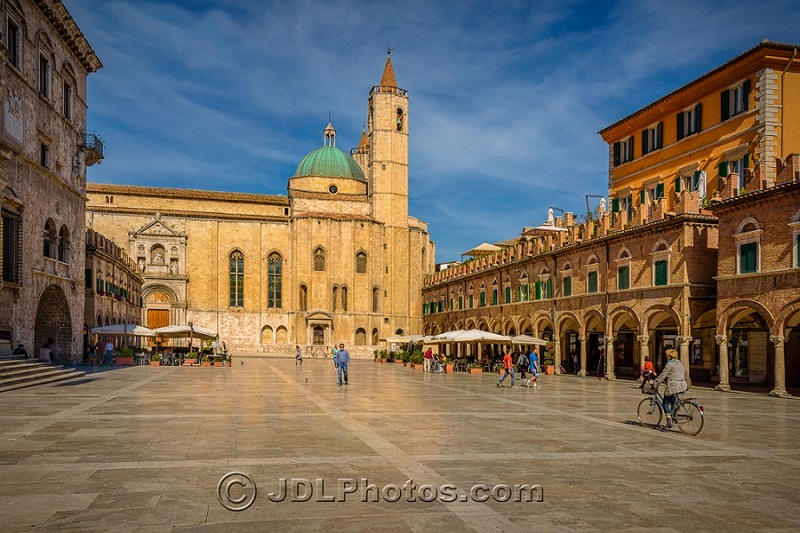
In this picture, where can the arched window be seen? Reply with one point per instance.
(374, 336)
(237, 279)
(361, 263)
(63, 245)
(303, 298)
(400, 117)
(319, 260)
(274, 281)
(50, 239)
(374, 299)
(344, 299)
(361, 337)
(334, 298)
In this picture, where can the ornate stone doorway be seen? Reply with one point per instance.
(54, 325)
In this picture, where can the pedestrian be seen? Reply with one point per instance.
(575, 365)
(109, 352)
(648, 370)
(44, 354)
(522, 364)
(298, 355)
(342, 359)
(508, 368)
(533, 366)
(20, 350)
(335, 351)
(91, 355)
(427, 358)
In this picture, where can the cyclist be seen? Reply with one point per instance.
(674, 375)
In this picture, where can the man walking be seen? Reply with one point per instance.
(427, 360)
(342, 360)
(533, 366)
(508, 367)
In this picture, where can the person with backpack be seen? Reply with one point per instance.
(522, 364)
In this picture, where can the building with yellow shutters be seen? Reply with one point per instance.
(721, 135)
(337, 260)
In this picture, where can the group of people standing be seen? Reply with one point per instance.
(524, 364)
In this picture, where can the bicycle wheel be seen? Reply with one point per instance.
(650, 412)
(689, 417)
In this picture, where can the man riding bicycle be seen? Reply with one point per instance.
(674, 374)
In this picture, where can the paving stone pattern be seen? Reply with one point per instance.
(144, 448)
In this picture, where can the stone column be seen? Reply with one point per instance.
(722, 341)
(780, 367)
(582, 371)
(610, 357)
(684, 344)
(644, 350)
(557, 352)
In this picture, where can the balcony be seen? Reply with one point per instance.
(92, 147)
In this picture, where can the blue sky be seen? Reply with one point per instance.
(506, 98)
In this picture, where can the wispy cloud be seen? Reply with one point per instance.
(505, 97)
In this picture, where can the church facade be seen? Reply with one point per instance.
(338, 260)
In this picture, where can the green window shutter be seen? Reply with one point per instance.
(746, 95)
(615, 205)
(508, 295)
(494, 297)
(748, 258)
(623, 278)
(471, 301)
(746, 163)
(661, 273)
(722, 169)
(698, 118)
(645, 147)
(591, 282)
(567, 286)
(616, 154)
(696, 180)
(678, 184)
(527, 293)
(724, 105)
(538, 290)
(424, 309)
(482, 301)
(642, 196)
(659, 135)
(679, 124)
(659, 191)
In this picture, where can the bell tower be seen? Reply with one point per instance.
(387, 120)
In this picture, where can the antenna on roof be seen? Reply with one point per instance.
(329, 115)
(389, 48)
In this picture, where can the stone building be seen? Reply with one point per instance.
(112, 288)
(44, 151)
(707, 266)
(337, 260)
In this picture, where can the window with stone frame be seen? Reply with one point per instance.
(303, 298)
(45, 73)
(50, 240)
(11, 256)
(236, 273)
(689, 121)
(319, 260)
(748, 246)
(344, 299)
(623, 151)
(274, 281)
(652, 138)
(375, 299)
(361, 263)
(566, 286)
(734, 100)
(63, 244)
(14, 43)
(623, 261)
(334, 297)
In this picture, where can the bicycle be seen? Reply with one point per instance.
(688, 416)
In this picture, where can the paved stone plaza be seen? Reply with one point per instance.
(144, 448)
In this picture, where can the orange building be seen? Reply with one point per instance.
(721, 135)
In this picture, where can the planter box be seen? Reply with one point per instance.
(124, 361)
(383, 360)
(206, 363)
(448, 369)
(190, 361)
(155, 363)
(475, 370)
(377, 360)
(549, 370)
(398, 361)
(219, 363)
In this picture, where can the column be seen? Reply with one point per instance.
(582, 372)
(684, 344)
(780, 367)
(557, 352)
(722, 341)
(644, 350)
(610, 357)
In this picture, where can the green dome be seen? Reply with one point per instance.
(331, 162)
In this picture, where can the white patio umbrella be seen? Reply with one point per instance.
(125, 329)
(477, 335)
(528, 339)
(176, 331)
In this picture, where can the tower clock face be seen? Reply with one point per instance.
(333, 189)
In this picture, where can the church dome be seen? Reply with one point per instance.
(329, 161)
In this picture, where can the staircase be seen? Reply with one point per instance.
(16, 373)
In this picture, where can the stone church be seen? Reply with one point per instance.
(338, 260)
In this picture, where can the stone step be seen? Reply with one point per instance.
(19, 374)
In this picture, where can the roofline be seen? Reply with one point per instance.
(766, 43)
(183, 193)
(59, 17)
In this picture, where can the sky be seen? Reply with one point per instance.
(505, 97)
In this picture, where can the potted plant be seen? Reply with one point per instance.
(474, 368)
(416, 360)
(205, 361)
(399, 358)
(549, 365)
(190, 359)
(155, 359)
(448, 367)
(124, 357)
(228, 359)
(219, 360)
(377, 355)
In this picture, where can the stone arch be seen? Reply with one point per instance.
(509, 328)
(525, 327)
(657, 314)
(374, 338)
(281, 335)
(53, 324)
(267, 335)
(748, 224)
(740, 309)
(661, 245)
(624, 315)
(470, 324)
(788, 317)
(494, 325)
(624, 252)
(361, 337)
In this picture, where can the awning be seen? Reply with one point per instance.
(125, 329)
